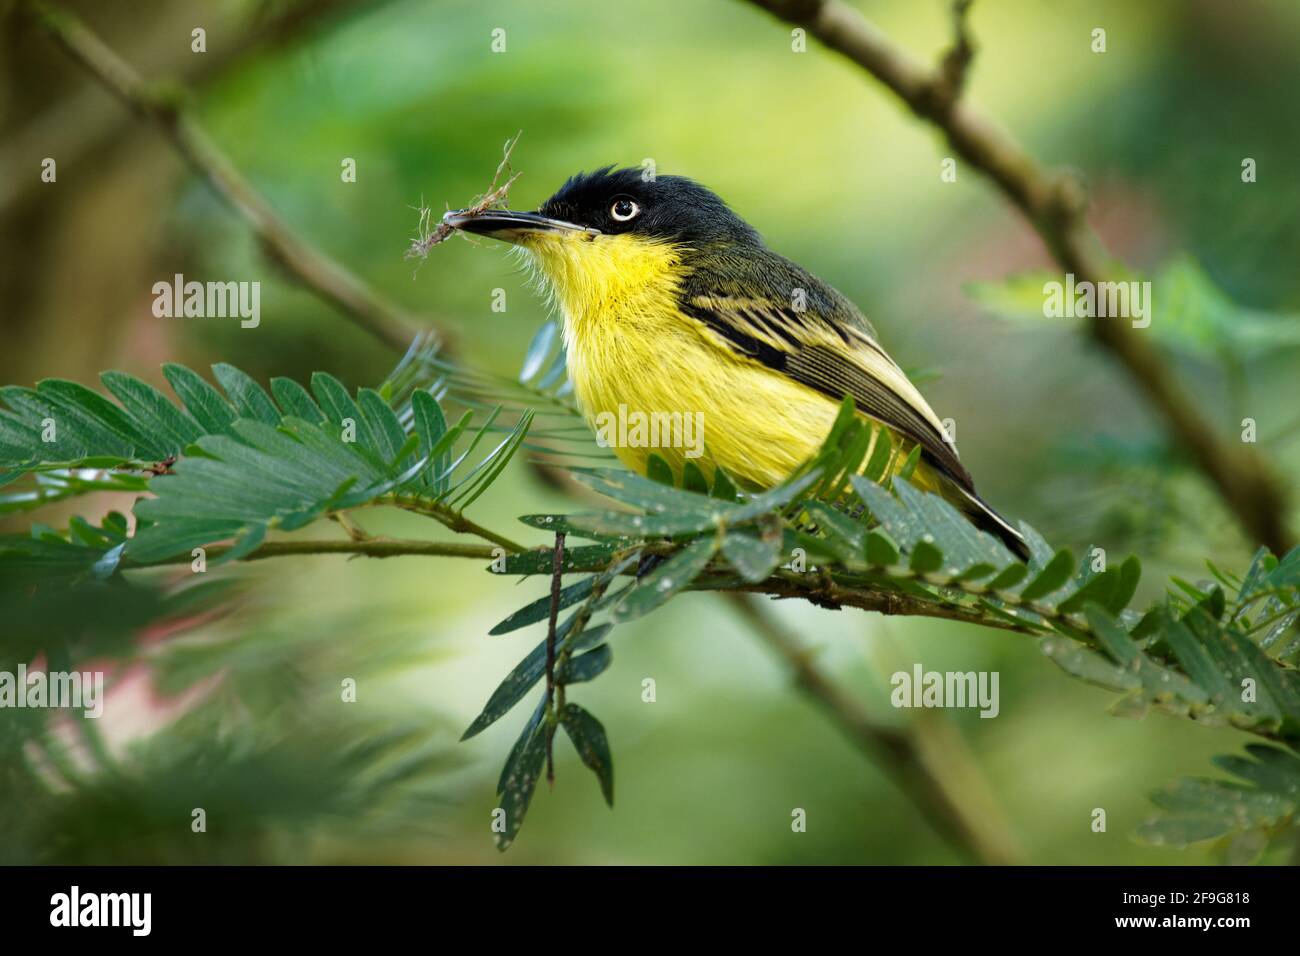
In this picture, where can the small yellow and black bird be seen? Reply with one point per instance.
(672, 303)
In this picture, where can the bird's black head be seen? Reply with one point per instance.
(612, 201)
(673, 208)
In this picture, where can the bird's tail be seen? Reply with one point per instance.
(989, 520)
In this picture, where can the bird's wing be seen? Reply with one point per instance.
(829, 347)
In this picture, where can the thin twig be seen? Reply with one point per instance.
(977, 836)
(780, 585)
(427, 238)
(557, 576)
(368, 547)
(956, 62)
(447, 516)
(304, 262)
(1055, 204)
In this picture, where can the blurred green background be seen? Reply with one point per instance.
(835, 175)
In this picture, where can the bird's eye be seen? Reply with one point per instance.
(624, 209)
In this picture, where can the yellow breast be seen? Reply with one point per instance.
(633, 356)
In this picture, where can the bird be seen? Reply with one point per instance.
(671, 302)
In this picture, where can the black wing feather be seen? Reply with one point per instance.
(795, 344)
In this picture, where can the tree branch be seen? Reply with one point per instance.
(825, 592)
(1055, 205)
(978, 836)
(362, 547)
(322, 275)
(830, 593)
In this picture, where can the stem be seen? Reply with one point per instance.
(898, 752)
(449, 518)
(1055, 205)
(780, 585)
(557, 574)
(370, 548)
(789, 584)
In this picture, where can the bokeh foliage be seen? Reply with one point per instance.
(835, 176)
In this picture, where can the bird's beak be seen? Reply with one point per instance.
(510, 226)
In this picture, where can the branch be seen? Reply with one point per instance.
(322, 275)
(363, 547)
(449, 518)
(979, 836)
(824, 592)
(1055, 205)
(827, 592)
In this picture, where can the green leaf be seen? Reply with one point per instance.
(844, 534)
(769, 501)
(659, 470)
(519, 777)
(1160, 685)
(527, 673)
(1040, 552)
(1087, 665)
(431, 426)
(340, 409)
(1099, 589)
(27, 560)
(589, 740)
(693, 479)
(538, 350)
(541, 608)
(213, 413)
(155, 543)
(1009, 577)
(882, 453)
(723, 487)
(583, 525)
(1051, 578)
(1130, 573)
(389, 436)
(666, 580)
(672, 511)
(962, 544)
(644, 492)
(296, 401)
(977, 571)
(493, 464)
(1112, 588)
(86, 424)
(245, 482)
(250, 400)
(880, 551)
(585, 667)
(753, 556)
(153, 411)
(908, 468)
(926, 558)
(1193, 811)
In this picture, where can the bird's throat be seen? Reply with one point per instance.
(605, 279)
